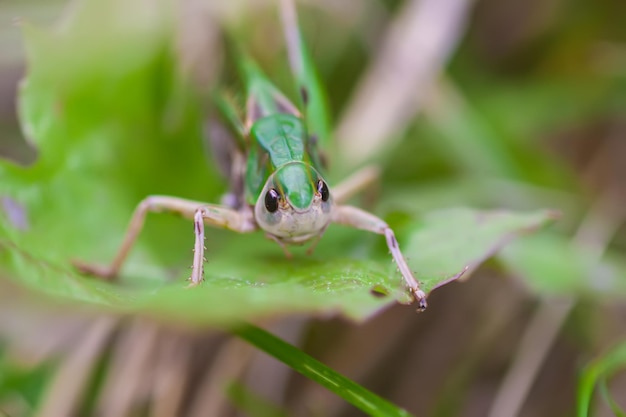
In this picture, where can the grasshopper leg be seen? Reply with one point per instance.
(360, 219)
(280, 243)
(315, 241)
(240, 221)
(218, 216)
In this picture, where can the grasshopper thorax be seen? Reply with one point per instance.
(295, 204)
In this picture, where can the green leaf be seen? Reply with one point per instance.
(450, 241)
(114, 122)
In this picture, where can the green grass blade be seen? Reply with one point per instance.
(347, 389)
(608, 398)
(597, 371)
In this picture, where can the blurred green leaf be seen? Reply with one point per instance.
(21, 382)
(474, 143)
(552, 264)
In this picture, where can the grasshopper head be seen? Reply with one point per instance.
(295, 204)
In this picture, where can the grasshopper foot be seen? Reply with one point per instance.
(104, 272)
(419, 296)
(193, 284)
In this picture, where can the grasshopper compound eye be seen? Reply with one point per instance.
(322, 188)
(271, 200)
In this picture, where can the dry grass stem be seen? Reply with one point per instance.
(67, 388)
(415, 48)
(228, 364)
(130, 370)
(593, 235)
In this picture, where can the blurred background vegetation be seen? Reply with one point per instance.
(489, 103)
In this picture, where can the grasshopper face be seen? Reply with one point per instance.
(295, 204)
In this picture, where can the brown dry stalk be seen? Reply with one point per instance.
(414, 50)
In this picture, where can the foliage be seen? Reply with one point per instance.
(113, 120)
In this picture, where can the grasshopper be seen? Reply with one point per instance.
(274, 166)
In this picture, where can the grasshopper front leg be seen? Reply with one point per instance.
(360, 219)
(239, 221)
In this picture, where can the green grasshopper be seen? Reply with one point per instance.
(274, 168)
